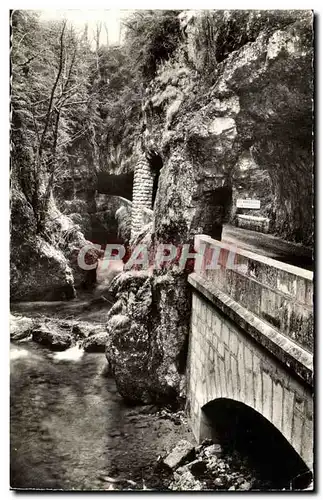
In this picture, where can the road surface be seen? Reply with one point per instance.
(270, 246)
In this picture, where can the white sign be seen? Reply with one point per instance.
(248, 203)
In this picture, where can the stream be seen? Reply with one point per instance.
(71, 430)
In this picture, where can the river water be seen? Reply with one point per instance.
(71, 430)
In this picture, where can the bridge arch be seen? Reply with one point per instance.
(235, 355)
(241, 429)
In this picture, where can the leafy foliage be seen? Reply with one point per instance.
(152, 37)
(118, 96)
(221, 32)
(49, 103)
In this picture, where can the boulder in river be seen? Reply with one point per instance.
(96, 342)
(20, 327)
(52, 337)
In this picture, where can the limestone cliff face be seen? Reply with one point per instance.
(44, 267)
(259, 103)
(255, 103)
(147, 336)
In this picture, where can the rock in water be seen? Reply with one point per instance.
(183, 452)
(56, 340)
(20, 327)
(96, 342)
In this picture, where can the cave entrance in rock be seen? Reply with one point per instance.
(244, 432)
(156, 164)
(214, 209)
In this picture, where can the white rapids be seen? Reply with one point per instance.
(18, 353)
(74, 353)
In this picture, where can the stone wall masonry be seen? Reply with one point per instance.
(277, 293)
(225, 362)
(261, 224)
(142, 194)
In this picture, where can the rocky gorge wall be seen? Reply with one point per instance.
(45, 266)
(240, 84)
(258, 102)
(77, 196)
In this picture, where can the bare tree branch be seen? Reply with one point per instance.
(53, 91)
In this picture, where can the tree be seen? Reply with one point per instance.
(151, 37)
(49, 88)
(72, 104)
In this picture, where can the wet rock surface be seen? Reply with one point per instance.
(53, 338)
(148, 328)
(57, 334)
(20, 327)
(96, 342)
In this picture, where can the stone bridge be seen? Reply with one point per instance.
(251, 341)
(251, 334)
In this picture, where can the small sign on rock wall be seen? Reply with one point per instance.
(248, 203)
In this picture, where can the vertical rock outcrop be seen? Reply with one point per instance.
(147, 330)
(45, 266)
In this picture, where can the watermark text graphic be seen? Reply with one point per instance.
(162, 256)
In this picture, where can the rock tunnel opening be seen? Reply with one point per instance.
(156, 164)
(244, 433)
(213, 208)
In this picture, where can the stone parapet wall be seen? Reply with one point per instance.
(275, 292)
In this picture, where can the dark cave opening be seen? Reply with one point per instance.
(156, 164)
(213, 208)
